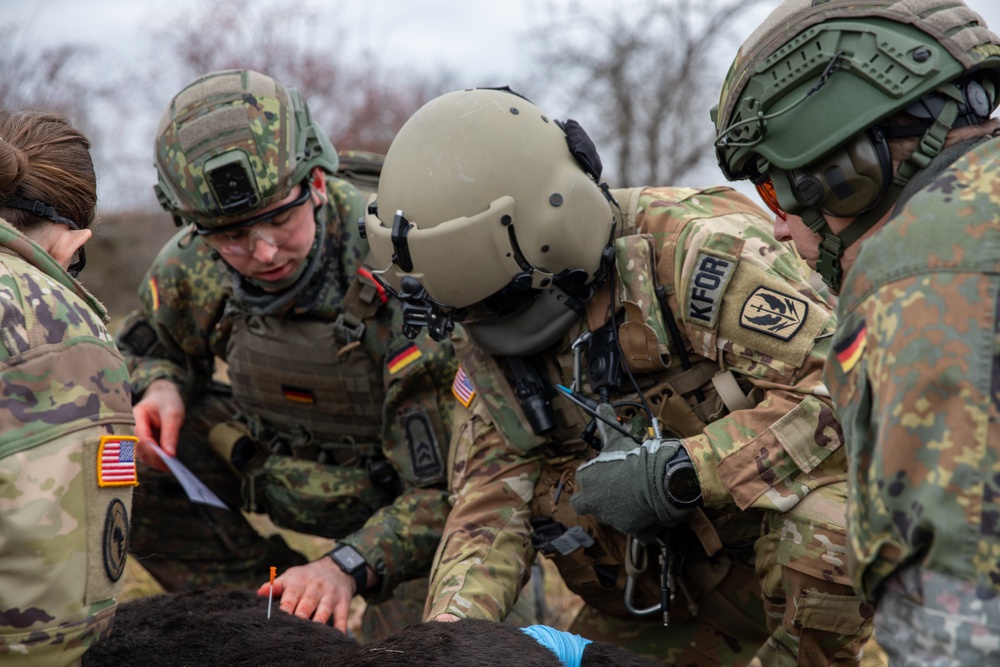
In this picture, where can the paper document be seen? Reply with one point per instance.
(193, 487)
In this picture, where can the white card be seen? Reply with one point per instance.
(193, 487)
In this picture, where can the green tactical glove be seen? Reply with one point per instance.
(623, 486)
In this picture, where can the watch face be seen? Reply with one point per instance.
(682, 485)
(349, 558)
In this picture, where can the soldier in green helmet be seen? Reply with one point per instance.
(710, 531)
(866, 127)
(67, 452)
(334, 425)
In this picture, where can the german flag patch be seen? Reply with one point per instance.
(850, 349)
(298, 395)
(403, 358)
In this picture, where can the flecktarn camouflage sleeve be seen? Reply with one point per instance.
(181, 300)
(400, 539)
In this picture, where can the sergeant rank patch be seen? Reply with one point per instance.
(425, 457)
(774, 313)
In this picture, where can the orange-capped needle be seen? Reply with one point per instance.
(270, 593)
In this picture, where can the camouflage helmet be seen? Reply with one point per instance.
(233, 142)
(804, 108)
(871, 59)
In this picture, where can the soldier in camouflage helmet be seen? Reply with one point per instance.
(669, 312)
(866, 127)
(335, 424)
(67, 453)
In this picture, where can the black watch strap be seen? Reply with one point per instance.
(353, 563)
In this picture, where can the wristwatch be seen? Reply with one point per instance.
(680, 480)
(353, 563)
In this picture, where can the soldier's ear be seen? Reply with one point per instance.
(317, 181)
(63, 242)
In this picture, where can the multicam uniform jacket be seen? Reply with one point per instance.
(188, 299)
(915, 375)
(742, 304)
(67, 463)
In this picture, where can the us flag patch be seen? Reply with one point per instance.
(116, 461)
(462, 387)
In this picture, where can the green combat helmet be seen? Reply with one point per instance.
(804, 106)
(233, 142)
(490, 213)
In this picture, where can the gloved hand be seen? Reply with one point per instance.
(623, 486)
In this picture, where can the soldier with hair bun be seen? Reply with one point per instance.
(67, 453)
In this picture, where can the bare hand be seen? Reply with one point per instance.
(158, 419)
(446, 618)
(315, 591)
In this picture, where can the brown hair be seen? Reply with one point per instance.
(43, 157)
(902, 148)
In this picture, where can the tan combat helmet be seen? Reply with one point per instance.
(492, 216)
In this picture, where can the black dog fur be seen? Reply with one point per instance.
(209, 627)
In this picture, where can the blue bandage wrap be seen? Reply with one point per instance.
(567, 646)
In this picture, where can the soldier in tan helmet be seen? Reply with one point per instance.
(866, 127)
(663, 326)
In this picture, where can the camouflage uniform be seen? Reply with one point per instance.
(772, 475)
(63, 513)
(914, 374)
(381, 492)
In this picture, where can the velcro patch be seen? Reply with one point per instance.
(115, 542)
(850, 350)
(425, 455)
(774, 313)
(462, 387)
(298, 394)
(708, 284)
(403, 358)
(116, 461)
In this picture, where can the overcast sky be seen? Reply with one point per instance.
(481, 41)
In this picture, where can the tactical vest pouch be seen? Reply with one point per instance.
(314, 498)
(299, 375)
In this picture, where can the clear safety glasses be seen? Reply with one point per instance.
(273, 227)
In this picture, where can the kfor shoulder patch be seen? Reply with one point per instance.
(774, 313)
(708, 284)
(425, 455)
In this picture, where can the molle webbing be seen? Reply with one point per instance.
(299, 376)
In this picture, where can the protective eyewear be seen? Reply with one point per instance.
(274, 227)
(44, 210)
(765, 188)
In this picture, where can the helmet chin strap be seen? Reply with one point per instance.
(832, 246)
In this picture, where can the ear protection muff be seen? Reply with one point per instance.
(845, 183)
